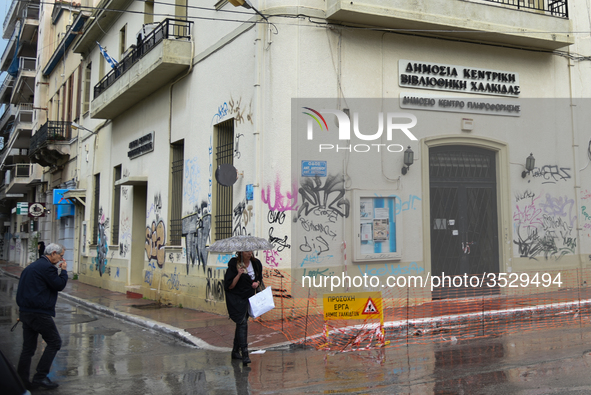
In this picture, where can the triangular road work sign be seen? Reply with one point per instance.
(370, 307)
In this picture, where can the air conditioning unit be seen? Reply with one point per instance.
(146, 30)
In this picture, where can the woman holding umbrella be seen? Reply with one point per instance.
(243, 277)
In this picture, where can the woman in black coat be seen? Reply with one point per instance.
(243, 277)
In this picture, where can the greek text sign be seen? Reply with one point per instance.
(313, 168)
(511, 108)
(445, 77)
(352, 306)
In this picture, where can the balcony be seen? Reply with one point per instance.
(540, 24)
(24, 83)
(10, 156)
(6, 89)
(7, 117)
(9, 196)
(27, 11)
(50, 145)
(19, 135)
(162, 55)
(20, 175)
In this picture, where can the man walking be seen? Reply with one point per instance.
(36, 297)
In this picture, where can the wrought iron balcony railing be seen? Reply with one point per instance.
(51, 132)
(168, 28)
(558, 8)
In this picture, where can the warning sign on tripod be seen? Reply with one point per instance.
(352, 306)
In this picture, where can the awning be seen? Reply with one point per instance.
(76, 196)
(132, 181)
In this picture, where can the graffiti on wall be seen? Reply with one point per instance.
(551, 174)
(102, 245)
(125, 237)
(155, 242)
(149, 274)
(324, 199)
(214, 291)
(241, 217)
(237, 153)
(543, 225)
(196, 230)
(233, 108)
(279, 201)
(191, 182)
(173, 281)
(586, 212)
(155, 207)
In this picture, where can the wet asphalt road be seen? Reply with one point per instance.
(102, 355)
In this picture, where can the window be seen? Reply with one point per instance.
(176, 193)
(69, 97)
(224, 154)
(122, 41)
(78, 94)
(87, 87)
(116, 205)
(148, 12)
(96, 208)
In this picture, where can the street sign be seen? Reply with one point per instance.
(22, 208)
(352, 306)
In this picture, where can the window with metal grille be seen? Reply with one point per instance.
(224, 152)
(116, 205)
(176, 195)
(95, 208)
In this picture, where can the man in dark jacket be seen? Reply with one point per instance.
(36, 297)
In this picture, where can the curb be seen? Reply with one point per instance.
(173, 331)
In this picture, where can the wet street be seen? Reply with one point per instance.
(102, 355)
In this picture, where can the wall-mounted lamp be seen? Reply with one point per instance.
(76, 126)
(530, 163)
(408, 160)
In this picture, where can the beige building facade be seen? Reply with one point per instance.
(315, 107)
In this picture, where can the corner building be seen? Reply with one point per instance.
(315, 107)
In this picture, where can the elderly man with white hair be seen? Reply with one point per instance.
(36, 297)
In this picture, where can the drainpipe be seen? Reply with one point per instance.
(258, 144)
(170, 118)
(575, 146)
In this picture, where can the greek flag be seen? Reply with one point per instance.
(109, 59)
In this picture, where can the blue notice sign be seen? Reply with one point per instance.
(313, 168)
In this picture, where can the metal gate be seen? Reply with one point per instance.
(464, 236)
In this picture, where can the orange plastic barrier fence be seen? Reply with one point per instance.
(419, 315)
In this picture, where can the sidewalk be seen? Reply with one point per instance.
(471, 317)
(204, 330)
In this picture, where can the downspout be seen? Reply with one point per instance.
(170, 119)
(258, 149)
(575, 146)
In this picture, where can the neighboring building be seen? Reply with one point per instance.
(17, 95)
(194, 94)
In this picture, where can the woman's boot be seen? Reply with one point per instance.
(245, 357)
(243, 340)
(236, 352)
